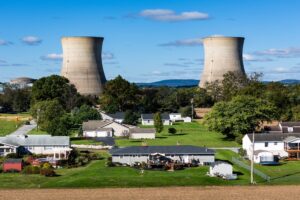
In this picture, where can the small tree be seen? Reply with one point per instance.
(172, 130)
(158, 124)
(130, 117)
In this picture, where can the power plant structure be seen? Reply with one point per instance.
(221, 55)
(82, 64)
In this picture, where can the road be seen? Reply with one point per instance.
(24, 129)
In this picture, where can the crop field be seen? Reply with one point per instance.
(187, 134)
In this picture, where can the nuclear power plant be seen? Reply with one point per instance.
(82, 64)
(221, 55)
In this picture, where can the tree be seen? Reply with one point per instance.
(47, 112)
(56, 87)
(241, 115)
(85, 113)
(131, 118)
(158, 124)
(172, 130)
(186, 111)
(60, 126)
(119, 95)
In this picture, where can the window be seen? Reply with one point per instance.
(275, 143)
(266, 144)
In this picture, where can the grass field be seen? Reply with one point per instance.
(86, 142)
(187, 134)
(8, 126)
(96, 174)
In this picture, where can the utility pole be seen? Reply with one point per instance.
(192, 102)
(38, 118)
(252, 160)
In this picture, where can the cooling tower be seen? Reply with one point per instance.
(82, 64)
(221, 55)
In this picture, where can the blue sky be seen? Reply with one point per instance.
(149, 40)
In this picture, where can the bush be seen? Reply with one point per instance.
(12, 155)
(31, 170)
(47, 172)
(95, 156)
(172, 130)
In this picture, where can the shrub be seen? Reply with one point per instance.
(12, 155)
(95, 156)
(172, 130)
(47, 172)
(31, 169)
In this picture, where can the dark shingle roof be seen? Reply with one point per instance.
(290, 124)
(13, 160)
(176, 150)
(164, 116)
(117, 115)
(262, 137)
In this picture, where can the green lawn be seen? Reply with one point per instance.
(37, 132)
(96, 174)
(86, 142)
(8, 126)
(187, 134)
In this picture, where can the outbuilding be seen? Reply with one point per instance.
(142, 133)
(12, 165)
(221, 169)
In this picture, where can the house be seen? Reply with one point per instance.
(177, 117)
(147, 119)
(281, 145)
(104, 128)
(184, 154)
(12, 165)
(142, 133)
(54, 146)
(222, 169)
(284, 127)
(117, 117)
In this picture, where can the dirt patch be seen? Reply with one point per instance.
(174, 193)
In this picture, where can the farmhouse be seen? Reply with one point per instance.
(56, 146)
(281, 145)
(104, 128)
(177, 117)
(11, 165)
(147, 119)
(142, 133)
(184, 154)
(117, 117)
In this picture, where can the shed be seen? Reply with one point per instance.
(142, 133)
(12, 165)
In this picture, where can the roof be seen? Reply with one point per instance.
(295, 129)
(176, 150)
(35, 140)
(276, 137)
(13, 160)
(164, 116)
(117, 115)
(290, 124)
(142, 130)
(95, 124)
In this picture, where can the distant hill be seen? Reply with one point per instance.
(171, 83)
(193, 83)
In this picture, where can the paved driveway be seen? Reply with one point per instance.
(24, 129)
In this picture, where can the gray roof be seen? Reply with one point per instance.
(95, 124)
(142, 130)
(117, 115)
(164, 116)
(35, 140)
(290, 124)
(175, 150)
(13, 160)
(267, 137)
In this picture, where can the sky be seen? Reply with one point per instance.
(149, 40)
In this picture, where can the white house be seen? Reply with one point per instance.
(176, 117)
(222, 169)
(142, 133)
(117, 117)
(104, 128)
(56, 146)
(147, 119)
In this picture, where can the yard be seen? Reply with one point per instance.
(96, 174)
(8, 126)
(187, 134)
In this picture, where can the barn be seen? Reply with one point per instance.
(12, 165)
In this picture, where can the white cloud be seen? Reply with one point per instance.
(5, 43)
(107, 56)
(185, 42)
(172, 16)
(52, 56)
(253, 58)
(280, 53)
(31, 40)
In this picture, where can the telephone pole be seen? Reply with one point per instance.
(252, 160)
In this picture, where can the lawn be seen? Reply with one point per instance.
(86, 142)
(37, 132)
(8, 126)
(187, 134)
(96, 174)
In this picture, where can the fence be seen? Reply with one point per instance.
(247, 167)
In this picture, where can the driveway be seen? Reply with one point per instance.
(24, 129)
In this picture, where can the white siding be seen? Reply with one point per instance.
(97, 133)
(142, 135)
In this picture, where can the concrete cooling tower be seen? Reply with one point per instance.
(82, 64)
(221, 55)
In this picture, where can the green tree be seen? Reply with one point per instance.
(158, 124)
(131, 117)
(85, 113)
(119, 95)
(60, 126)
(241, 115)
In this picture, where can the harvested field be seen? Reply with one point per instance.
(174, 193)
